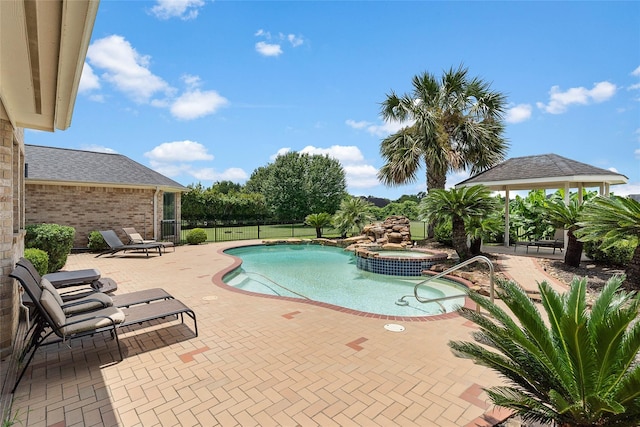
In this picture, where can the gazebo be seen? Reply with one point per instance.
(546, 171)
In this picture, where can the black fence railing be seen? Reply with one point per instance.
(224, 232)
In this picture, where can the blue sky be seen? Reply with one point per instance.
(204, 91)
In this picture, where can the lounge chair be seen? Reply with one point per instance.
(556, 243)
(116, 245)
(136, 238)
(50, 318)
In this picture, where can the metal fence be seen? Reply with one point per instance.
(228, 232)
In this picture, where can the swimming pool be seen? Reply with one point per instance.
(329, 275)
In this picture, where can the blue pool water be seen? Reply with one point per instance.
(329, 275)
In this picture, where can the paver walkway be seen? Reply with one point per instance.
(257, 361)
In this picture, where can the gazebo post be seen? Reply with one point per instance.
(506, 217)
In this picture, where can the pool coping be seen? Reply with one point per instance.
(237, 262)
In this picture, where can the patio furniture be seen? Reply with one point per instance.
(136, 238)
(116, 245)
(50, 318)
(556, 243)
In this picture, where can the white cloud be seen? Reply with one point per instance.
(636, 72)
(383, 130)
(268, 49)
(518, 113)
(210, 174)
(280, 152)
(272, 44)
(98, 149)
(183, 9)
(361, 176)
(636, 153)
(560, 101)
(344, 154)
(626, 189)
(179, 151)
(88, 81)
(125, 68)
(195, 104)
(295, 40)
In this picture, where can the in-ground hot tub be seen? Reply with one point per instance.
(409, 262)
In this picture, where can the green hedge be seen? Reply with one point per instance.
(96, 242)
(56, 240)
(196, 236)
(39, 259)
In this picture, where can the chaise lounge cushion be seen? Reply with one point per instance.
(92, 301)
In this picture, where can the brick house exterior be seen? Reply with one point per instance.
(99, 191)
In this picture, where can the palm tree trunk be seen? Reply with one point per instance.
(436, 180)
(476, 245)
(318, 232)
(574, 250)
(459, 238)
(632, 271)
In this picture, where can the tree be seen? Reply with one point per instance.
(352, 216)
(456, 124)
(295, 185)
(580, 371)
(611, 219)
(318, 221)
(458, 205)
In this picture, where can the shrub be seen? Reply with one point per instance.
(442, 233)
(39, 259)
(96, 242)
(56, 240)
(196, 236)
(618, 254)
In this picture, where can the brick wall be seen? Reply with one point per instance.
(11, 229)
(88, 208)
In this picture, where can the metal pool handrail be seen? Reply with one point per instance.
(401, 301)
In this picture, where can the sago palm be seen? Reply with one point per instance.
(565, 216)
(459, 205)
(455, 123)
(610, 219)
(578, 367)
(353, 214)
(318, 221)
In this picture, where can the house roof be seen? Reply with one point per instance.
(543, 172)
(61, 165)
(43, 45)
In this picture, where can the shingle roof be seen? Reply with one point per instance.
(543, 171)
(77, 166)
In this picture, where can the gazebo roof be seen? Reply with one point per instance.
(543, 172)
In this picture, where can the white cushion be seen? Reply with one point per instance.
(45, 284)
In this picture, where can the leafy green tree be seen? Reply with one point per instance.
(226, 187)
(526, 216)
(455, 124)
(577, 367)
(193, 205)
(353, 215)
(610, 219)
(295, 185)
(408, 208)
(318, 221)
(458, 205)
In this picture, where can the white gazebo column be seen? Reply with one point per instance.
(567, 200)
(506, 218)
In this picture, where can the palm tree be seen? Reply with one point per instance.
(459, 205)
(610, 219)
(455, 125)
(353, 215)
(318, 220)
(565, 216)
(582, 370)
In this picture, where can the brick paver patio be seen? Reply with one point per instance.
(256, 362)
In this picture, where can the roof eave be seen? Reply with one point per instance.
(165, 188)
(585, 181)
(43, 46)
